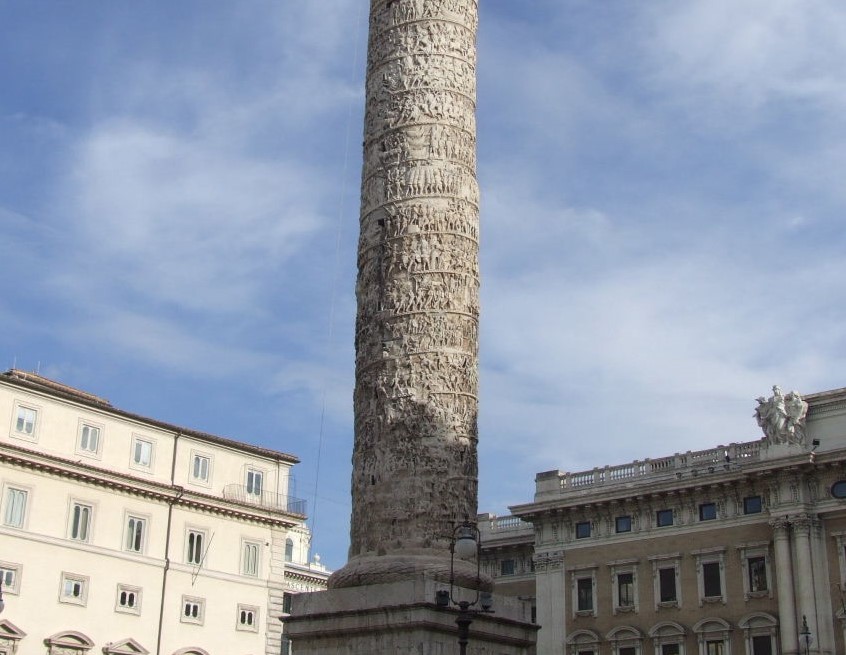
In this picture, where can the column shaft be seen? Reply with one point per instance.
(784, 570)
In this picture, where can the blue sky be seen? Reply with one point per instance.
(662, 222)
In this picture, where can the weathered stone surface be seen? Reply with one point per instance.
(414, 461)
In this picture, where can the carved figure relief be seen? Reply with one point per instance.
(415, 402)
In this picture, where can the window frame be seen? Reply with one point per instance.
(754, 551)
(17, 570)
(714, 556)
(82, 580)
(243, 627)
(507, 567)
(145, 521)
(583, 574)
(746, 500)
(16, 415)
(199, 454)
(85, 452)
(82, 504)
(666, 562)
(707, 511)
(8, 488)
(201, 610)
(249, 485)
(622, 568)
(141, 439)
(712, 630)
(245, 545)
(204, 545)
(660, 516)
(128, 589)
(583, 530)
(625, 517)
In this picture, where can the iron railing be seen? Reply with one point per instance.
(265, 499)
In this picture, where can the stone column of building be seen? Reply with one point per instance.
(805, 573)
(414, 461)
(825, 610)
(784, 568)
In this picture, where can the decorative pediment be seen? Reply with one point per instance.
(10, 632)
(666, 629)
(190, 651)
(125, 647)
(69, 642)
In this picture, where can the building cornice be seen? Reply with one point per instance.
(81, 472)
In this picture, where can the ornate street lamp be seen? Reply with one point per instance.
(465, 544)
(805, 635)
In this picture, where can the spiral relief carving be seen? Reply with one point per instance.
(414, 461)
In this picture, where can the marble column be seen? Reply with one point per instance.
(784, 568)
(802, 524)
(415, 403)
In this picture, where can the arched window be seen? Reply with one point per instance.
(759, 632)
(625, 640)
(582, 642)
(668, 637)
(713, 635)
(289, 550)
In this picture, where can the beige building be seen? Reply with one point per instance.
(121, 534)
(735, 550)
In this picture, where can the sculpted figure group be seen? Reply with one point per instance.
(782, 417)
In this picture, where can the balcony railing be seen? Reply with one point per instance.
(265, 499)
(692, 462)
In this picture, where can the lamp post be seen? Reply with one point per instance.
(805, 635)
(465, 544)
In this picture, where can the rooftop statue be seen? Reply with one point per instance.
(782, 418)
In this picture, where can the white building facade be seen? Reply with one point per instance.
(122, 534)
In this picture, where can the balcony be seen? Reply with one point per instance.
(265, 499)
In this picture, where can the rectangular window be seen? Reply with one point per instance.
(15, 507)
(25, 422)
(250, 559)
(89, 439)
(623, 524)
(664, 518)
(507, 567)
(248, 618)
(669, 649)
(74, 589)
(584, 594)
(135, 528)
(254, 482)
(142, 452)
(193, 610)
(711, 585)
(582, 529)
(752, 505)
(128, 599)
(287, 601)
(757, 567)
(195, 542)
(707, 512)
(667, 585)
(80, 524)
(200, 468)
(627, 650)
(625, 589)
(762, 645)
(10, 577)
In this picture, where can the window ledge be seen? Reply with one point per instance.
(584, 613)
(713, 599)
(668, 603)
(757, 594)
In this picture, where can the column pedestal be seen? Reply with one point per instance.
(401, 618)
